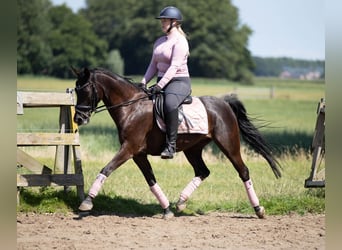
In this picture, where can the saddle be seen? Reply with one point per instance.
(158, 107)
(192, 115)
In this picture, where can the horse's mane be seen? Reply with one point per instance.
(117, 76)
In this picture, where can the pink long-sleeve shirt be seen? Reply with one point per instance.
(169, 58)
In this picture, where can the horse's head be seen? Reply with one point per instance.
(87, 96)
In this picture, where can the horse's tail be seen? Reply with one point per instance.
(251, 134)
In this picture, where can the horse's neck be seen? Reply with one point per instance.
(116, 95)
(120, 101)
(115, 91)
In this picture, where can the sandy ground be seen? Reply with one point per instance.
(211, 231)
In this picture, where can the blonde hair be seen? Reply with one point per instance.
(180, 30)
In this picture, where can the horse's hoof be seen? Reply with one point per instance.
(168, 214)
(180, 206)
(261, 213)
(86, 205)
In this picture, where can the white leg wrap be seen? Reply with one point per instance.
(94, 190)
(190, 188)
(161, 197)
(251, 193)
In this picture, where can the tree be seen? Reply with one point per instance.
(128, 26)
(218, 43)
(51, 39)
(73, 42)
(33, 50)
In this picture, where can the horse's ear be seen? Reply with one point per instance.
(75, 71)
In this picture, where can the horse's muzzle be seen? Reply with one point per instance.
(80, 120)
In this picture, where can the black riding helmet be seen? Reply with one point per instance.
(171, 12)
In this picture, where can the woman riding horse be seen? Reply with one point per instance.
(169, 62)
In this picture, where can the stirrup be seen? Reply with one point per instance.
(167, 153)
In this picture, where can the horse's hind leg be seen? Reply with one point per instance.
(146, 169)
(231, 148)
(243, 171)
(194, 156)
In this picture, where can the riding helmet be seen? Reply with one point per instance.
(171, 12)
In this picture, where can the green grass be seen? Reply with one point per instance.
(291, 115)
(126, 191)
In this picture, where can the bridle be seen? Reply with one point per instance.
(87, 110)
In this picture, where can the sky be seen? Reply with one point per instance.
(281, 28)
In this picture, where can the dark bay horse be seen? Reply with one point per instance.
(132, 111)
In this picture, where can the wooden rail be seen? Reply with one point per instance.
(66, 142)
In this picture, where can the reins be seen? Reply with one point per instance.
(101, 108)
(126, 103)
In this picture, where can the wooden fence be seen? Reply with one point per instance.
(317, 174)
(66, 142)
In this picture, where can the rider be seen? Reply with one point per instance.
(169, 63)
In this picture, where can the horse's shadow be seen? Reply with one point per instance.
(120, 206)
(131, 208)
(127, 208)
(103, 204)
(106, 205)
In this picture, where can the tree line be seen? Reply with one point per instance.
(276, 66)
(119, 35)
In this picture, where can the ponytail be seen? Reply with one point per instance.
(180, 30)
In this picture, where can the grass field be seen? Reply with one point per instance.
(290, 113)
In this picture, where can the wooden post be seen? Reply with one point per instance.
(62, 151)
(272, 92)
(76, 152)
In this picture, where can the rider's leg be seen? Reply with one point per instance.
(171, 120)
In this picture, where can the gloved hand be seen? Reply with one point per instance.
(154, 90)
(141, 85)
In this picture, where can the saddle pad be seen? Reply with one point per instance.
(194, 118)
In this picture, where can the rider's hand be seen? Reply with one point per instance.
(141, 85)
(154, 90)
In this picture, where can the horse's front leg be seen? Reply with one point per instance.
(194, 156)
(145, 167)
(186, 193)
(121, 157)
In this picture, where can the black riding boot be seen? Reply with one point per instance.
(171, 120)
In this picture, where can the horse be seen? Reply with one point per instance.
(131, 108)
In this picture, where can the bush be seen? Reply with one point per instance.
(115, 62)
